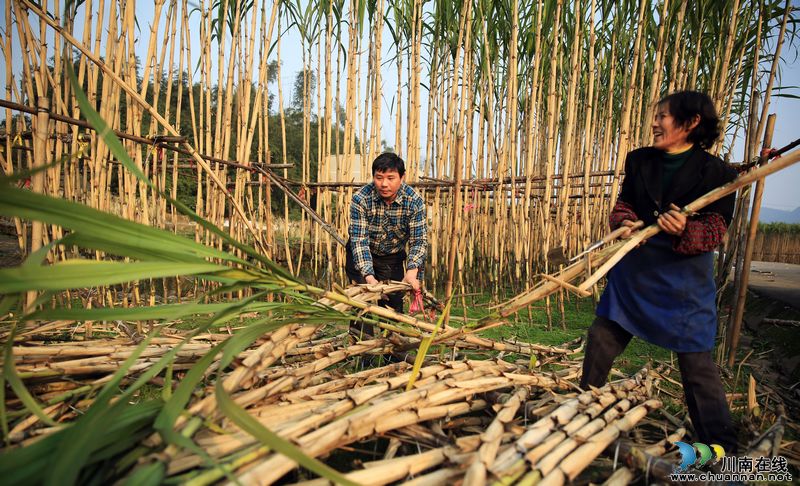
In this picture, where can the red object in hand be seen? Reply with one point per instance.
(416, 304)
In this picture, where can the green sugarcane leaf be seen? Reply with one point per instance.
(131, 249)
(149, 475)
(270, 439)
(106, 228)
(178, 400)
(165, 421)
(129, 425)
(425, 345)
(74, 449)
(36, 258)
(102, 417)
(27, 465)
(72, 274)
(120, 428)
(177, 403)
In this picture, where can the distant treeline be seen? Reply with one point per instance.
(779, 228)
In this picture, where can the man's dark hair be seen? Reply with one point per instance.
(388, 161)
(684, 105)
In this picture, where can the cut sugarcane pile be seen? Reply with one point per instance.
(474, 421)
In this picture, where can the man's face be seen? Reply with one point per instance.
(388, 183)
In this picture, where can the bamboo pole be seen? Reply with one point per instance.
(741, 297)
(455, 222)
(40, 157)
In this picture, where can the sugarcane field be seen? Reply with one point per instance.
(368, 242)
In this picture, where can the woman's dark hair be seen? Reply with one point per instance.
(685, 105)
(388, 161)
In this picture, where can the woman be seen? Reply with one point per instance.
(663, 291)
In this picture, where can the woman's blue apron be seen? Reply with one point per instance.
(663, 297)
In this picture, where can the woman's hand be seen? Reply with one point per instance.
(672, 222)
(630, 231)
(629, 224)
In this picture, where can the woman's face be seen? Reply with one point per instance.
(668, 134)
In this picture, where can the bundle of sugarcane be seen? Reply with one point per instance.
(325, 416)
(645, 458)
(61, 373)
(525, 349)
(321, 409)
(314, 398)
(471, 458)
(560, 445)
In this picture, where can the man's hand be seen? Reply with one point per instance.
(371, 280)
(411, 278)
(672, 222)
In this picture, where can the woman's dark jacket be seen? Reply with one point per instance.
(701, 173)
(663, 291)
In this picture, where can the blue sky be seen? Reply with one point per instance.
(782, 190)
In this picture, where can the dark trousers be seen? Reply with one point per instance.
(702, 386)
(387, 267)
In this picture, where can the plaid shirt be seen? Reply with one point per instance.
(381, 229)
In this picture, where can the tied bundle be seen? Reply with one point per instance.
(416, 303)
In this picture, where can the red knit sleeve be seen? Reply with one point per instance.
(703, 232)
(621, 212)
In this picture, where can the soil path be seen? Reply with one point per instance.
(778, 281)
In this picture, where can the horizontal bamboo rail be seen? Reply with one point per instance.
(158, 141)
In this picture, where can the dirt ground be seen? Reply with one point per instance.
(770, 341)
(772, 320)
(778, 281)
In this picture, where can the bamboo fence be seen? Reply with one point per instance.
(538, 171)
(777, 247)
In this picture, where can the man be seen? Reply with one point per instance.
(385, 216)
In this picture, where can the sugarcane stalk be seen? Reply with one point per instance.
(542, 428)
(574, 463)
(484, 458)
